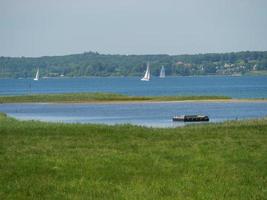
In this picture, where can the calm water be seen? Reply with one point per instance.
(237, 87)
(152, 114)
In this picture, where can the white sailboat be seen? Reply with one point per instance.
(162, 72)
(147, 74)
(37, 75)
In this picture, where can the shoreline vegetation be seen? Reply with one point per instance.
(101, 98)
(116, 98)
(83, 161)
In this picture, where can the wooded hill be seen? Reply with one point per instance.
(95, 64)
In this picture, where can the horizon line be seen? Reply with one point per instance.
(119, 54)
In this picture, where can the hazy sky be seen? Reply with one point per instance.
(58, 27)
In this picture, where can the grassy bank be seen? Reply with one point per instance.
(97, 97)
(70, 161)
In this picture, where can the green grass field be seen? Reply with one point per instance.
(71, 161)
(98, 97)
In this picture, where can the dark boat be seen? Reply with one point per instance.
(191, 118)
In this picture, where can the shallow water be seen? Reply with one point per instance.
(145, 114)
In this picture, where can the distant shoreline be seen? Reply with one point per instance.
(112, 76)
(97, 64)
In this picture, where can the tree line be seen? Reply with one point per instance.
(95, 64)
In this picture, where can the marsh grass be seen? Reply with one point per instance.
(72, 161)
(97, 97)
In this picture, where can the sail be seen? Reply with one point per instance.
(162, 72)
(37, 75)
(147, 74)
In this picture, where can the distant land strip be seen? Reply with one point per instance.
(114, 98)
(99, 97)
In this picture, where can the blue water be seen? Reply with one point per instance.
(236, 87)
(145, 114)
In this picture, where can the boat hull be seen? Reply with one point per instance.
(191, 118)
(144, 79)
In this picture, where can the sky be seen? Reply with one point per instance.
(59, 27)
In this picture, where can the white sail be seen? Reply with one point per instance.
(37, 75)
(162, 72)
(147, 74)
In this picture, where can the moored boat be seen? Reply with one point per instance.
(191, 118)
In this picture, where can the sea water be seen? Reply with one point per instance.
(152, 114)
(232, 86)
